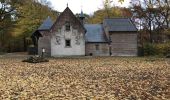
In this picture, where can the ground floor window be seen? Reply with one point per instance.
(97, 46)
(68, 43)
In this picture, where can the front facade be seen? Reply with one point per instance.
(69, 36)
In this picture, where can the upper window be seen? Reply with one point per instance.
(68, 43)
(67, 26)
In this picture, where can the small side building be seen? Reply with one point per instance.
(96, 41)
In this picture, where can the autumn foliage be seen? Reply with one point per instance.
(100, 78)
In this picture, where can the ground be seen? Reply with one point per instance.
(85, 78)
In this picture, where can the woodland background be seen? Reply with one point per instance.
(20, 18)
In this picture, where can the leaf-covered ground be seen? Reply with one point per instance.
(105, 78)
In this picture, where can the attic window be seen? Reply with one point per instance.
(67, 26)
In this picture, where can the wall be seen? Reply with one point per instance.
(124, 44)
(44, 42)
(58, 47)
(103, 49)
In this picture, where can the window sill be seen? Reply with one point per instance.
(67, 46)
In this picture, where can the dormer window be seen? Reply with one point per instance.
(67, 26)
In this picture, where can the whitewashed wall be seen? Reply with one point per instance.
(58, 47)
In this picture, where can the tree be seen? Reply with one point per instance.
(32, 14)
(109, 11)
(107, 7)
(7, 14)
(152, 16)
(19, 19)
(114, 12)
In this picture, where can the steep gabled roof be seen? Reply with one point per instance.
(95, 33)
(65, 13)
(47, 24)
(119, 24)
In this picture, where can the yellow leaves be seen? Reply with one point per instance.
(97, 78)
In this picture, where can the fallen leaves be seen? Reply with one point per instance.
(99, 78)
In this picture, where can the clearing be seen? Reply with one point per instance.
(89, 78)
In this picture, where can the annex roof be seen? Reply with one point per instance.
(95, 33)
(47, 24)
(119, 24)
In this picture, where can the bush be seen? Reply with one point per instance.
(161, 49)
(149, 49)
(35, 59)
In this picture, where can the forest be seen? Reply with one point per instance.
(20, 18)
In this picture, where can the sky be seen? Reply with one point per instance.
(88, 6)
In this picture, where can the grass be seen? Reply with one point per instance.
(92, 78)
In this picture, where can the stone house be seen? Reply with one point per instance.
(69, 36)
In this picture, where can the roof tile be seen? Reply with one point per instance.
(47, 24)
(95, 33)
(120, 24)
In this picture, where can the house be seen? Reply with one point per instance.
(69, 36)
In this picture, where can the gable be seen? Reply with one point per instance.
(68, 16)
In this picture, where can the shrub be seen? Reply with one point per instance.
(149, 49)
(35, 59)
(161, 49)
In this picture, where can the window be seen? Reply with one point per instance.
(68, 43)
(97, 47)
(67, 26)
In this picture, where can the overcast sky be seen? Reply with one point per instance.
(88, 6)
